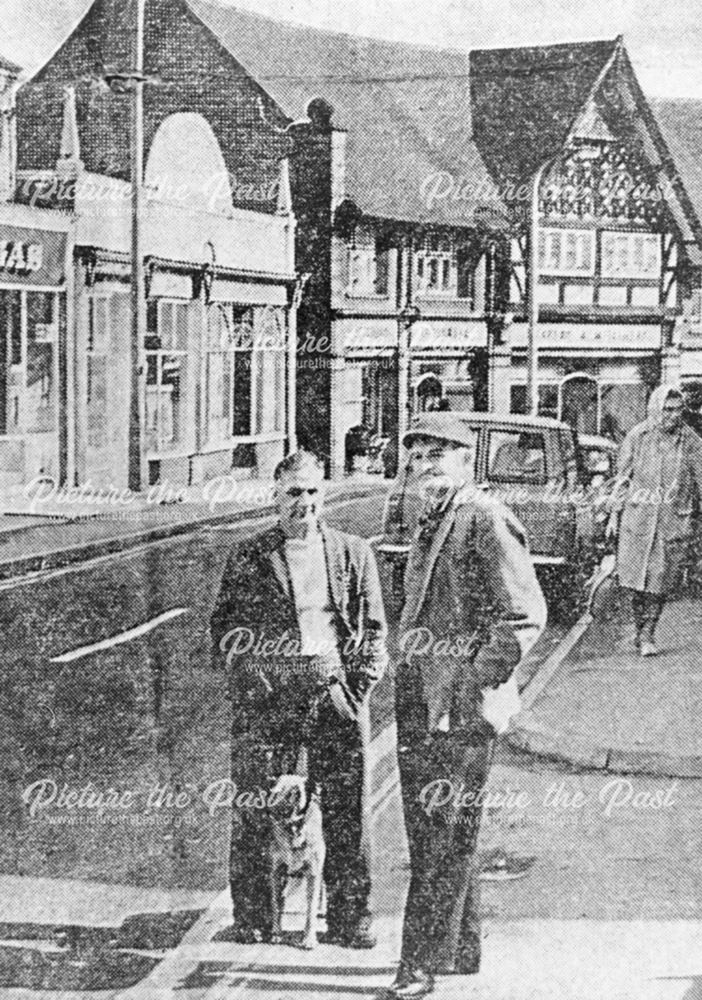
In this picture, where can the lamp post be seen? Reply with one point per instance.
(533, 295)
(133, 82)
(407, 317)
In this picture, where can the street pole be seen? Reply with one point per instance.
(407, 317)
(138, 304)
(533, 296)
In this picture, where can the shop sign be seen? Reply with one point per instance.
(447, 337)
(32, 256)
(590, 336)
(367, 335)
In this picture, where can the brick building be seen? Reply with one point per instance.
(397, 307)
(412, 174)
(216, 380)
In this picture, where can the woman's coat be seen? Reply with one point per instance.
(658, 492)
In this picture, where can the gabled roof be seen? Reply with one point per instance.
(406, 109)
(526, 100)
(680, 122)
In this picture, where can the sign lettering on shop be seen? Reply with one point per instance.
(592, 336)
(20, 258)
(32, 257)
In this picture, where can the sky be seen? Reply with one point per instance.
(664, 40)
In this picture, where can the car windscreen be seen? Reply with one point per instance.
(516, 456)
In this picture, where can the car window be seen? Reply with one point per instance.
(516, 457)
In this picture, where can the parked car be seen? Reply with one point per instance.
(538, 467)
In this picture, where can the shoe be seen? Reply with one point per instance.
(360, 936)
(243, 934)
(648, 648)
(409, 985)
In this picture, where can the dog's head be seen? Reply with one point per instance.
(288, 803)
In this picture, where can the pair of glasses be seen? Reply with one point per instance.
(295, 492)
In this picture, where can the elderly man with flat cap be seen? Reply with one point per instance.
(473, 607)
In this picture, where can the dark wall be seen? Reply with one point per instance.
(189, 71)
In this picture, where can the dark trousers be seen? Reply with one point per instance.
(647, 610)
(267, 735)
(441, 930)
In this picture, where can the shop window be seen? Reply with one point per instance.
(270, 391)
(245, 371)
(567, 252)
(631, 255)
(269, 362)
(42, 335)
(548, 400)
(516, 457)
(13, 382)
(15, 320)
(167, 376)
(96, 373)
(517, 399)
(230, 345)
(29, 330)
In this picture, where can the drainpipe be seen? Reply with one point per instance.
(533, 294)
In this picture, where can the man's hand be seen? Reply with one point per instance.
(612, 529)
(500, 704)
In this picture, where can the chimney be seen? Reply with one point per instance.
(8, 131)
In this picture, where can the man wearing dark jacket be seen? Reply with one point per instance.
(473, 608)
(300, 629)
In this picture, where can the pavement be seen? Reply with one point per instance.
(51, 528)
(118, 944)
(596, 704)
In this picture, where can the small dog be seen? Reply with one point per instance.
(297, 848)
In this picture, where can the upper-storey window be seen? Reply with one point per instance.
(631, 255)
(567, 252)
(436, 267)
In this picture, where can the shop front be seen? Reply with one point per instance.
(448, 365)
(216, 371)
(595, 376)
(33, 366)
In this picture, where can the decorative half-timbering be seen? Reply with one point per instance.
(608, 224)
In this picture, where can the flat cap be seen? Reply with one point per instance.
(443, 427)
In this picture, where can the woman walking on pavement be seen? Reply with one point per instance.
(656, 499)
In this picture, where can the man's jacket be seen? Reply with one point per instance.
(256, 609)
(473, 604)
